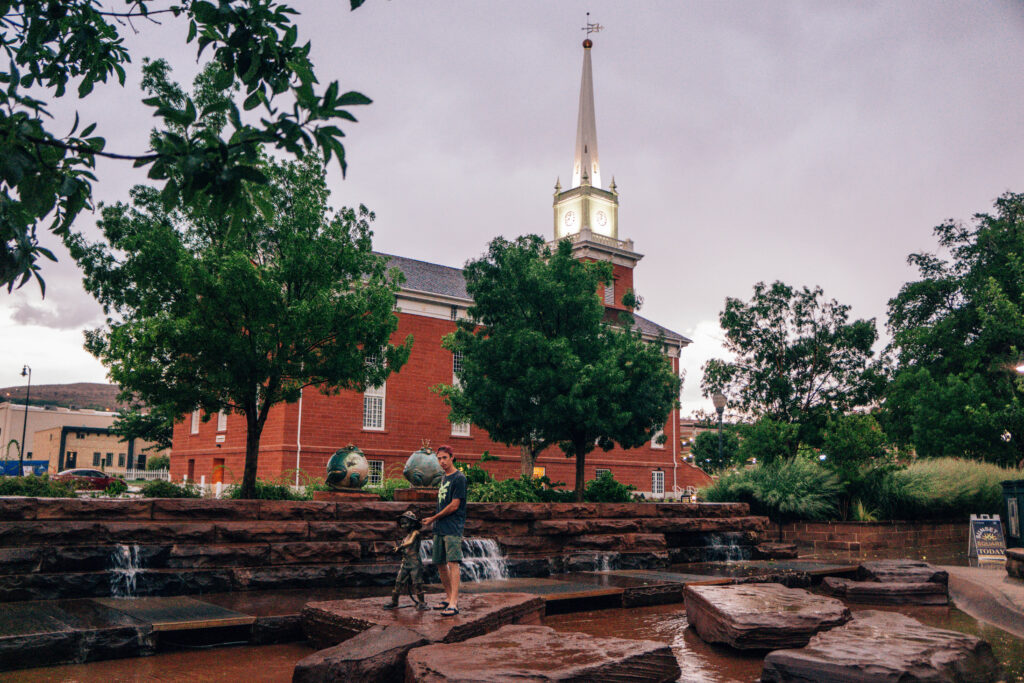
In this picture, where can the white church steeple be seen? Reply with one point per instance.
(586, 168)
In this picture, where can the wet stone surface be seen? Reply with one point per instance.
(902, 571)
(760, 616)
(377, 655)
(539, 653)
(891, 593)
(885, 646)
(328, 623)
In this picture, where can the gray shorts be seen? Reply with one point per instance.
(447, 549)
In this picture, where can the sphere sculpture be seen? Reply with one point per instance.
(422, 468)
(347, 469)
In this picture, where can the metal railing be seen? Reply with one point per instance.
(148, 475)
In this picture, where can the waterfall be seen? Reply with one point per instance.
(726, 549)
(603, 562)
(481, 559)
(124, 566)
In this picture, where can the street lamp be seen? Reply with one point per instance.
(719, 400)
(26, 371)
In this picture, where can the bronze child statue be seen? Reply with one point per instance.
(410, 576)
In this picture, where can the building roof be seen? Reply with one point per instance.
(433, 278)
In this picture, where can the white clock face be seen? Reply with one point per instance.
(570, 219)
(602, 218)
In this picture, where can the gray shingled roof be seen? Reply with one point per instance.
(434, 278)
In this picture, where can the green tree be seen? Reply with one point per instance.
(46, 175)
(238, 307)
(856, 449)
(957, 335)
(155, 426)
(798, 358)
(705, 449)
(766, 441)
(541, 367)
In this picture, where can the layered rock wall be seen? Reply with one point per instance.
(54, 548)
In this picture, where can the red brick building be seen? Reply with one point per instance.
(392, 421)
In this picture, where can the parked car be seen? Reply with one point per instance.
(83, 478)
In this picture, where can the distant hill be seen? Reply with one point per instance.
(79, 395)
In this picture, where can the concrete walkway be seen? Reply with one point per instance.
(989, 595)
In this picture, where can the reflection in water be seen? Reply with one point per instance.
(699, 661)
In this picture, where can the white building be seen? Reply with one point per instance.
(12, 418)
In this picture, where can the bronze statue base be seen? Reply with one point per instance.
(354, 494)
(417, 494)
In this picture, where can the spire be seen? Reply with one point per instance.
(586, 169)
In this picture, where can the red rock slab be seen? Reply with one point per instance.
(764, 616)
(277, 510)
(329, 623)
(377, 655)
(902, 571)
(184, 509)
(775, 551)
(79, 509)
(539, 653)
(891, 593)
(885, 646)
(575, 527)
(508, 511)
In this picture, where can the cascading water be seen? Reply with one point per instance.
(481, 559)
(124, 566)
(725, 549)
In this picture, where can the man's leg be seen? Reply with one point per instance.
(454, 575)
(442, 570)
(440, 561)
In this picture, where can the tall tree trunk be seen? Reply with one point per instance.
(526, 460)
(581, 461)
(254, 428)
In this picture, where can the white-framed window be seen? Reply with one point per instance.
(376, 472)
(195, 421)
(601, 470)
(373, 407)
(658, 440)
(458, 428)
(658, 482)
(222, 421)
(609, 293)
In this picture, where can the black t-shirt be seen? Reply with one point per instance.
(452, 486)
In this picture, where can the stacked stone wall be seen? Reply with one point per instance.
(53, 548)
(859, 537)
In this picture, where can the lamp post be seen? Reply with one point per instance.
(719, 400)
(26, 371)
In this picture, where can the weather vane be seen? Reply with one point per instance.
(591, 28)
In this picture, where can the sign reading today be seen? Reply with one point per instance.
(987, 542)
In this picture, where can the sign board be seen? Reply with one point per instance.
(987, 543)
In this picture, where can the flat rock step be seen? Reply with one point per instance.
(891, 593)
(762, 616)
(539, 653)
(884, 646)
(902, 571)
(328, 623)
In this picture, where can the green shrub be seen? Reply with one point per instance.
(525, 489)
(767, 440)
(474, 473)
(267, 490)
(167, 489)
(116, 488)
(791, 488)
(160, 462)
(386, 489)
(940, 488)
(605, 489)
(36, 486)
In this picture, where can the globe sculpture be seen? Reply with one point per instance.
(347, 469)
(422, 468)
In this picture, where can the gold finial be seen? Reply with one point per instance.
(425, 445)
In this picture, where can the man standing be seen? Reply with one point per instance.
(448, 526)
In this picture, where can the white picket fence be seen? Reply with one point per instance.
(149, 475)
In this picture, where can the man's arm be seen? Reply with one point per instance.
(445, 511)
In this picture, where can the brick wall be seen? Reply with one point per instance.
(412, 414)
(860, 537)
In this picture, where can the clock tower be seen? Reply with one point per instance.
(586, 214)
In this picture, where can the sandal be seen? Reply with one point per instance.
(450, 611)
(441, 606)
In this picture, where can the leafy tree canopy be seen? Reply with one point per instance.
(238, 308)
(958, 333)
(46, 175)
(798, 358)
(705, 449)
(766, 441)
(155, 426)
(541, 367)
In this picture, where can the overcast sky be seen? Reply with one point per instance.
(817, 143)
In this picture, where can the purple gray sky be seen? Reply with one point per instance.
(813, 142)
